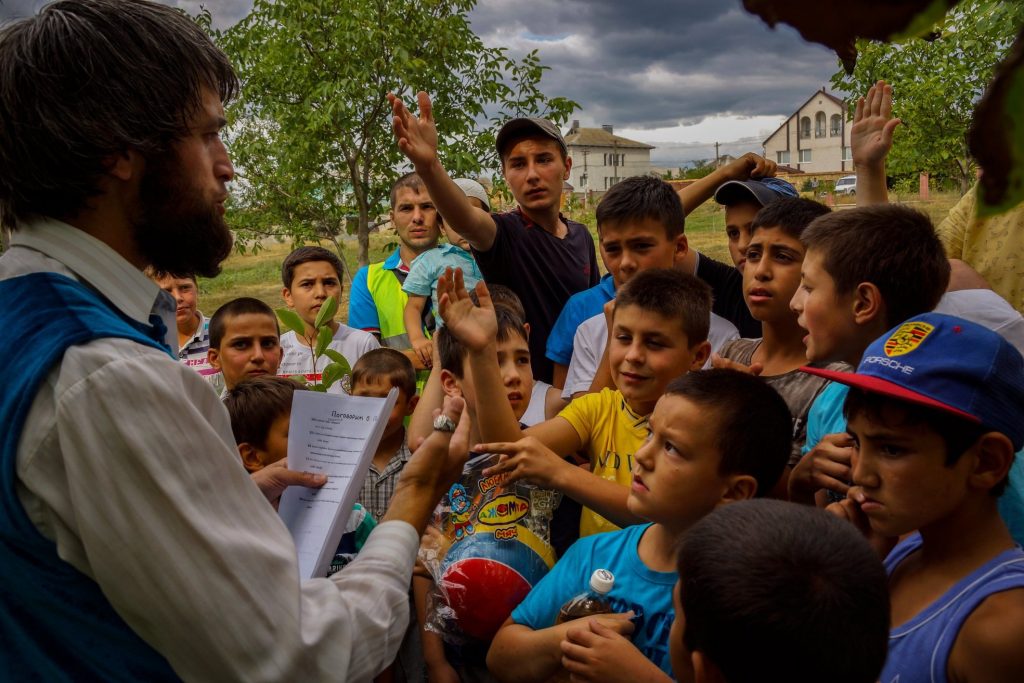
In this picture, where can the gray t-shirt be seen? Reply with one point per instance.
(798, 389)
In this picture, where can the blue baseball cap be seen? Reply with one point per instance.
(763, 191)
(949, 364)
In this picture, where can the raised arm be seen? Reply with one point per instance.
(417, 138)
(871, 140)
(748, 166)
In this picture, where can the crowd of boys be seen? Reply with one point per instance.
(799, 466)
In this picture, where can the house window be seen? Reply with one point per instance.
(805, 127)
(847, 154)
(835, 128)
(805, 156)
(819, 124)
(782, 157)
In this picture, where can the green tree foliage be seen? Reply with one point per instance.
(700, 169)
(311, 134)
(937, 82)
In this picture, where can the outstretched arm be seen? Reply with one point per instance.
(417, 138)
(748, 166)
(871, 140)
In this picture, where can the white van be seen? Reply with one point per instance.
(847, 185)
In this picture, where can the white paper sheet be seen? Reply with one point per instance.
(336, 436)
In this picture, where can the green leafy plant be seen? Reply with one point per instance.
(318, 344)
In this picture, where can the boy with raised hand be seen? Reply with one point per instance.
(245, 341)
(659, 332)
(936, 412)
(770, 279)
(864, 270)
(534, 250)
(769, 574)
(714, 438)
(309, 276)
(640, 226)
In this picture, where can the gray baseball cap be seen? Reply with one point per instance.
(516, 128)
(763, 191)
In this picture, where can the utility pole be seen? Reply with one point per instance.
(585, 178)
(716, 155)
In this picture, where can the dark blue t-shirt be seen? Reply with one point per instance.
(543, 270)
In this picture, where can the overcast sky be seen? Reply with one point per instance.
(671, 73)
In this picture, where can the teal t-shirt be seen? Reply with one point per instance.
(428, 266)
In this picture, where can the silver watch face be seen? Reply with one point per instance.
(443, 423)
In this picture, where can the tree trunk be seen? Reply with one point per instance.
(363, 233)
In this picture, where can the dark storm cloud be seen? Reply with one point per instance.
(636, 64)
(650, 64)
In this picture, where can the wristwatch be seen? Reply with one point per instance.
(443, 423)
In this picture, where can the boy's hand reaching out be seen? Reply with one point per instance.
(873, 126)
(416, 136)
(528, 459)
(749, 166)
(475, 327)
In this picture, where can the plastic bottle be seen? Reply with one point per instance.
(593, 601)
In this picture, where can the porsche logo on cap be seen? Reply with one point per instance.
(907, 338)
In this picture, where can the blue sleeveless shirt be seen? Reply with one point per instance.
(919, 649)
(55, 622)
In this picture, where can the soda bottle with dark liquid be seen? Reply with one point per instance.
(593, 601)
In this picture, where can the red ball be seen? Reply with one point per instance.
(482, 593)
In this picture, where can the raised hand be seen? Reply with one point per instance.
(416, 136)
(749, 166)
(528, 459)
(827, 466)
(873, 126)
(474, 326)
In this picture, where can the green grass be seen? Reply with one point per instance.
(259, 274)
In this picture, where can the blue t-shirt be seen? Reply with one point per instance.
(580, 306)
(428, 266)
(648, 593)
(826, 417)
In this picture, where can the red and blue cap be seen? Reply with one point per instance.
(949, 364)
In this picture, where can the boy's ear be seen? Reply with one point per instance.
(739, 487)
(994, 455)
(682, 247)
(526, 326)
(868, 304)
(410, 405)
(250, 457)
(450, 383)
(700, 357)
(125, 165)
(704, 670)
(568, 167)
(286, 294)
(213, 358)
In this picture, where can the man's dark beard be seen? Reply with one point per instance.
(175, 231)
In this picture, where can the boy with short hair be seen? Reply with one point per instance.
(936, 413)
(660, 328)
(421, 282)
(770, 574)
(865, 270)
(375, 374)
(310, 275)
(244, 341)
(193, 326)
(770, 279)
(640, 226)
(543, 256)
(716, 437)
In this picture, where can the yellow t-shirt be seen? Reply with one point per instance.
(611, 433)
(992, 246)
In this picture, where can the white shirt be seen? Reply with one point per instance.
(145, 493)
(536, 410)
(297, 359)
(591, 338)
(985, 307)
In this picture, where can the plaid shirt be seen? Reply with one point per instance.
(380, 486)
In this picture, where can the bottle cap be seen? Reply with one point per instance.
(601, 581)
